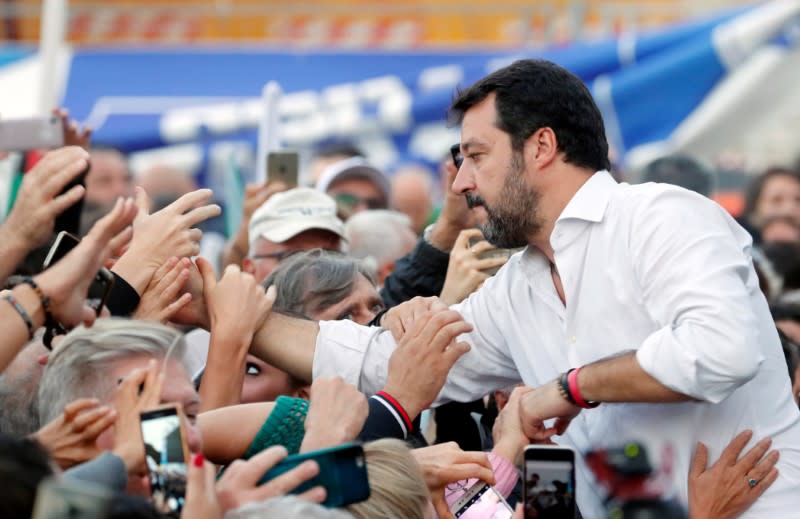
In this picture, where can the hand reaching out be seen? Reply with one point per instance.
(73, 134)
(71, 438)
(336, 414)
(67, 282)
(399, 318)
(419, 366)
(163, 297)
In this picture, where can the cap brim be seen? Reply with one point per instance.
(282, 231)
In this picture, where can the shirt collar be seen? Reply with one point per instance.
(590, 201)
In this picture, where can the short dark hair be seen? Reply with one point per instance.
(680, 170)
(757, 186)
(311, 281)
(337, 149)
(532, 94)
(24, 463)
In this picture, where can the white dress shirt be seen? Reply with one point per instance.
(652, 268)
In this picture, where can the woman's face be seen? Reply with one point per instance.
(780, 196)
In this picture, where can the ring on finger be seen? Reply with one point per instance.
(752, 482)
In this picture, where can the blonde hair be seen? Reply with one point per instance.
(397, 488)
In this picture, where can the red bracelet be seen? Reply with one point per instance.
(572, 380)
(399, 408)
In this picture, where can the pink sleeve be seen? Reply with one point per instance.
(505, 478)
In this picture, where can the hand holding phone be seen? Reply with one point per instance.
(166, 454)
(342, 473)
(549, 482)
(33, 133)
(283, 167)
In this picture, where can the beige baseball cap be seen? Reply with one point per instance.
(287, 214)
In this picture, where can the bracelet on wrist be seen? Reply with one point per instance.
(575, 392)
(9, 297)
(563, 387)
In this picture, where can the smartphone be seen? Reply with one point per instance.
(342, 471)
(103, 281)
(283, 166)
(70, 218)
(494, 253)
(166, 454)
(549, 482)
(68, 499)
(482, 501)
(32, 133)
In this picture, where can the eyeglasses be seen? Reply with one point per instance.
(458, 158)
(277, 256)
(349, 200)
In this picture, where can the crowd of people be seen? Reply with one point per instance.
(537, 301)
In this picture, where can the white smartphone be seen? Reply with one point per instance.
(482, 501)
(65, 499)
(33, 133)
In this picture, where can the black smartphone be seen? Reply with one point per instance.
(342, 471)
(283, 166)
(33, 133)
(70, 219)
(103, 281)
(480, 502)
(68, 499)
(549, 482)
(166, 454)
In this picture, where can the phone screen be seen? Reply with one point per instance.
(549, 489)
(283, 166)
(164, 447)
(482, 501)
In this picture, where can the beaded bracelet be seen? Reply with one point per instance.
(8, 296)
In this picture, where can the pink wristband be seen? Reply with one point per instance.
(572, 380)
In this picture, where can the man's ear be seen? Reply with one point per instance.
(541, 148)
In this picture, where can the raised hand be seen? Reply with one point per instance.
(419, 366)
(71, 438)
(137, 392)
(446, 463)
(507, 433)
(164, 297)
(237, 306)
(466, 271)
(336, 414)
(67, 282)
(399, 318)
(164, 234)
(40, 201)
(74, 135)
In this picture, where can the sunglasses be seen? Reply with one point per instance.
(351, 201)
(458, 158)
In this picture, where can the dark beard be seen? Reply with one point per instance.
(514, 218)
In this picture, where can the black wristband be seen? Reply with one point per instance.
(563, 387)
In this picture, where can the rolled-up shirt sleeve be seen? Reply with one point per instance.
(697, 284)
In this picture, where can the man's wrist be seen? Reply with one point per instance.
(405, 408)
(137, 274)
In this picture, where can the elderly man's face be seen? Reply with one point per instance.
(266, 255)
(178, 388)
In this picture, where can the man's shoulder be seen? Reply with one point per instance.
(652, 197)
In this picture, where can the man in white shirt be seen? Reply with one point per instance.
(650, 289)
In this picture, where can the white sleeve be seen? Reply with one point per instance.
(693, 265)
(359, 354)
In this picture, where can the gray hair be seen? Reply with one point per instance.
(79, 366)
(19, 391)
(380, 234)
(286, 506)
(311, 281)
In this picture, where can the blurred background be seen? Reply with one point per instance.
(181, 83)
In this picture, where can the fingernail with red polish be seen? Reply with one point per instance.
(198, 460)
